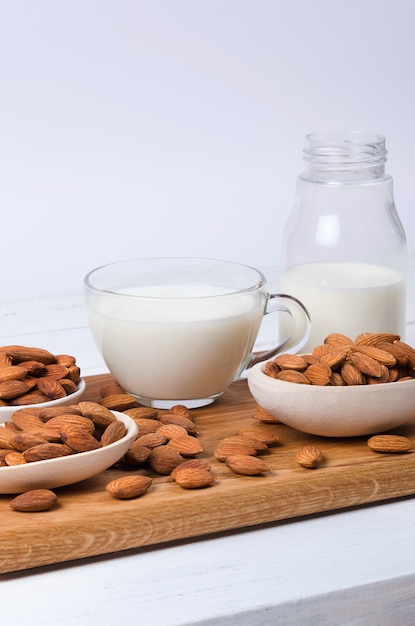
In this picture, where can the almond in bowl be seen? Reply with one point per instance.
(32, 376)
(344, 388)
(53, 454)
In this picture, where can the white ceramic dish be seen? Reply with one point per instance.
(7, 411)
(66, 470)
(334, 411)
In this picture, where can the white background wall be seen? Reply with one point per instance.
(175, 127)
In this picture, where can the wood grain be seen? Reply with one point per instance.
(88, 522)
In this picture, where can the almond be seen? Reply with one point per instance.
(47, 413)
(23, 353)
(46, 451)
(335, 358)
(291, 362)
(5, 359)
(171, 430)
(397, 351)
(164, 459)
(246, 465)
(100, 415)
(60, 421)
(180, 409)
(390, 443)
(264, 416)
(318, 374)
(194, 478)
(35, 500)
(113, 432)
(321, 350)
(292, 376)
(34, 368)
(261, 434)
(14, 458)
(309, 456)
(186, 445)
(3, 454)
(372, 339)
(5, 439)
(24, 440)
(68, 385)
(366, 364)
(193, 463)
(65, 359)
(336, 380)
(247, 440)
(379, 355)
(384, 377)
(137, 454)
(51, 388)
(55, 371)
(32, 397)
(10, 389)
(179, 420)
(338, 339)
(142, 412)
(12, 372)
(127, 487)
(151, 440)
(73, 373)
(79, 439)
(225, 449)
(119, 401)
(409, 351)
(271, 369)
(27, 419)
(146, 425)
(351, 375)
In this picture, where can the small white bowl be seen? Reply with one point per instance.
(351, 411)
(7, 411)
(67, 470)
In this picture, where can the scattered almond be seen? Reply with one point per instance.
(247, 465)
(309, 456)
(34, 501)
(194, 477)
(225, 449)
(164, 459)
(128, 487)
(390, 443)
(186, 445)
(194, 463)
(119, 401)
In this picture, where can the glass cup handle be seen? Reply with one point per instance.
(294, 342)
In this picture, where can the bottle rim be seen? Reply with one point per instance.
(345, 148)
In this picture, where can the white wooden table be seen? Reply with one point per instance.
(352, 567)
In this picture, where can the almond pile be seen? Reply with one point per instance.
(33, 375)
(36, 434)
(369, 359)
(167, 444)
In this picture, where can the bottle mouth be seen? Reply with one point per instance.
(345, 151)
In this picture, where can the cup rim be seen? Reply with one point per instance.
(260, 282)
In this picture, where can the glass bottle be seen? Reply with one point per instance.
(344, 248)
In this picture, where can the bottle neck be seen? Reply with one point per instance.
(344, 157)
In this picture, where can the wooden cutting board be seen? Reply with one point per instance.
(88, 522)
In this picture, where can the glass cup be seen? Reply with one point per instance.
(181, 330)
